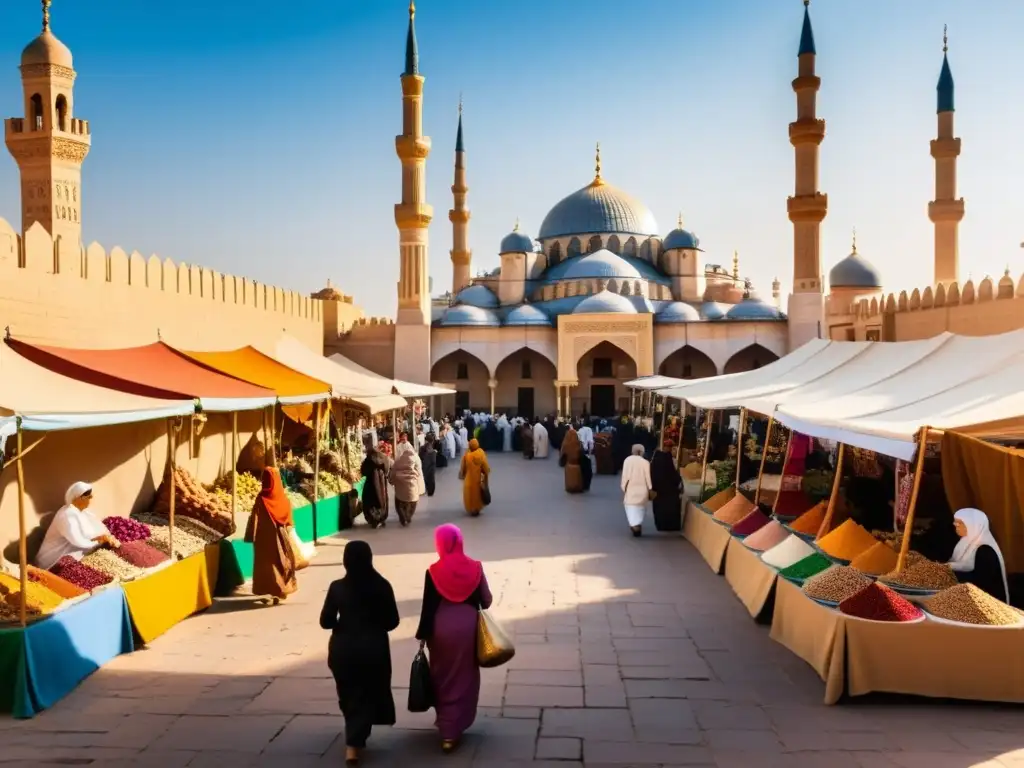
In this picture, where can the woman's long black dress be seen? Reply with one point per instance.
(360, 614)
(987, 574)
(428, 457)
(375, 490)
(667, 504)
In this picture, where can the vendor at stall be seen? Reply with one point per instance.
(74, 530)
(977, 558)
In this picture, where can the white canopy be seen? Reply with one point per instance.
(47, 401)
(655, 382)
(404, 388)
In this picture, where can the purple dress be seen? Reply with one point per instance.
(450, 631)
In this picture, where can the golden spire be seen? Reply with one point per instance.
(679, 221)
(854, 241)
(516, 227)
(46, 15)
(735, 265)
(598, 181)
(945, 38)
(412, 9)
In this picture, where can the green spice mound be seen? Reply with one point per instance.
(803, 569)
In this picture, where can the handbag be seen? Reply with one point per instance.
(485, 490)
(421, 689)
(493, 646)
(298, 548)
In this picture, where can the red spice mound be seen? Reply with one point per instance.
(753, 522)
(79, 574)
(879, 603)
(140, 554)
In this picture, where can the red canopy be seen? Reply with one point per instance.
(155, 370)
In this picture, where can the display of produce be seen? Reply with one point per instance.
(767, 537)
(875, 560)
(329, 485)
(192, 500)
(297, 465)
(55, 583)
(752, 523)
(140, 554)
(8, 613)
(79, 574)
(332, 462)
(39, 600)
(197, 529)
(185, 543)
(791, 550)
(809, 566)
(248, 487)
(734, 510)
(125, 529)
(969, 604)
(296, 498)
(924, 574)
(847, 541)
(835, 584)
(810, 521)
(105, 561)
(719, 499)
(879, 603)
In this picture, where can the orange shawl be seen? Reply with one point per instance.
(273, 497)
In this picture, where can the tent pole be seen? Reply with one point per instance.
(22, 532)
(682, 429)
(764, 457)
(704, 461)
(266, 440)
(234, 468)
(273, 431)
(664, 419)
(834, 496)
(173, 485)
(908, 526)
(739, 445)
(782, 478)
(316, 469)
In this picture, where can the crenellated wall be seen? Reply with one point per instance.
(91, 298)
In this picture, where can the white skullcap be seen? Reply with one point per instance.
(76, 491)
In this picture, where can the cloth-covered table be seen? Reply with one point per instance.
(42, 663)
(708, 537)
(749, 577)
(160, 600)
(328, 517)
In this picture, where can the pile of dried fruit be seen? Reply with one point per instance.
(125, 529)
(79, 574)
(970, 605)
(40, 600)
(192, 500)
(879, 603)
(835, 584)
(105, 561)
(924, 574)
(140, 554)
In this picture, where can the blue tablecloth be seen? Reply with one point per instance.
(51, 657)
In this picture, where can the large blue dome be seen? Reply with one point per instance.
(527, 314)
(602, 263)
(477, 296)
(753, 309)
(680, 238)
(605, 301)
(464, 314)
(678, 312)
(598, 208)
(854, 272)
(516, 242)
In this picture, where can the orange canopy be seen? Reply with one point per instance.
(249, 364)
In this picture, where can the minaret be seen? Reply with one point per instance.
(807, 207)
(49, 143)
(462, 256)
(946, 210)
(413, 215)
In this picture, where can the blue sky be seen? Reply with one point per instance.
(257, 137)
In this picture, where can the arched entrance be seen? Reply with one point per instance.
(688, 363)
(601, 373)
(749, 358)
(525, 384)
(468, 376)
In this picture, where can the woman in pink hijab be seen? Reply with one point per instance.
(454, 590)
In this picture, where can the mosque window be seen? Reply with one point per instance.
(874, 335)
(594, 244)
(555, 254)
(37, 112)
(602, 368)
(613, 244)
(630, 249)
(574, 248)
(462, 371)
(527, 370)
(62, 112)
(687, 370)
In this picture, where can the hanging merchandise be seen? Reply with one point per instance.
(904, 487)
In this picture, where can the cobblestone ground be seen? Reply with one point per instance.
(630, 653)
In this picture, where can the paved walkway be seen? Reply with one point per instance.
(631, 653)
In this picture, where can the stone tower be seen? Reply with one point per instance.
(807, 207)
(412, 216)
(946, 211)
(462, 256)
(49, 143)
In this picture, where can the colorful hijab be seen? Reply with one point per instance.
(273, 497)
(455, 575)
(474, 445)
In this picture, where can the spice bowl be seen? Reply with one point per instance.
(917, 620)
(950, 623)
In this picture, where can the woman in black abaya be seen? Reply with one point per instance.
(665, 482)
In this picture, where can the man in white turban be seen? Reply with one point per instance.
(74, 530)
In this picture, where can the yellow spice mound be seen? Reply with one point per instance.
(967, 603)
(40, 600)
(876, 559)
(847, 541)
(734, 510)
(720, 499)
(810, 521)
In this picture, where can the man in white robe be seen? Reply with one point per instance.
(463, 438)
(506, 433)
(540, 441)
(586, 436)
(74, 530)
(449, 443)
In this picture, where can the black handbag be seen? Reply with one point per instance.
(421, 690)
(485, 490)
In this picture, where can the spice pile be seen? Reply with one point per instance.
(79, 574)
(752, 523)
(125, 529)
(39, 600)
(809, 566)
(192, 500)
(970, 605)
(197, 529)
(835, 584)
(791, 504)
(791, 550)
(924, 574)
(140, 554)
(847, 541)
(105, 561)
(734, 510)
(810, 521)
(55, 583)
(879, 603)
(720, 499)
(767, 537)
(877, 559)
(185, 543)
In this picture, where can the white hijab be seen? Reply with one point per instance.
(978, 535)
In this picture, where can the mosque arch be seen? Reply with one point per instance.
(573, 249)
(614, 245)
(554, 253)
(594, 244)
(468, 375)
(688, 363)
(749, 358)
(525, 383)
(629, 249)
(36, 103)
(645, 250)
(61, 106)
(601, 373)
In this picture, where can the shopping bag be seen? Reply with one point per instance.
(421, 690)
(485, 490)
(493, 646)
(303, 552)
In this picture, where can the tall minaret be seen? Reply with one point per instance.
(462, 256)
(413, 215)
(946, 210)
(49, 143)
(807, 207)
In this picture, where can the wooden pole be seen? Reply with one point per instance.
(273, 434)
(908, 527)
(22, 531)
(266, 441)
(739, 445)
(764, 457)
(704, 461)
(316, 469)
(785, 463)
(836, 481)
(172, 485)
(234, 468)
(632, 401)
(682, 430)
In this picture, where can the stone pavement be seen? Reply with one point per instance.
(631, 653)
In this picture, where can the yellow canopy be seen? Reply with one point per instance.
(249, 364)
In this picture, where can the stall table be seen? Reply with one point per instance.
(708, 537)
(751, 580)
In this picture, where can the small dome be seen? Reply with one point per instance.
(527, 314)
(753, 309)
(464, 314)
(47, 49)
(602, 263)
(605, 301)
(598, 208)
(678, 312)
(680, 238)
(713, 310)
(854, 272)
(477, 296)
(516, 242)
